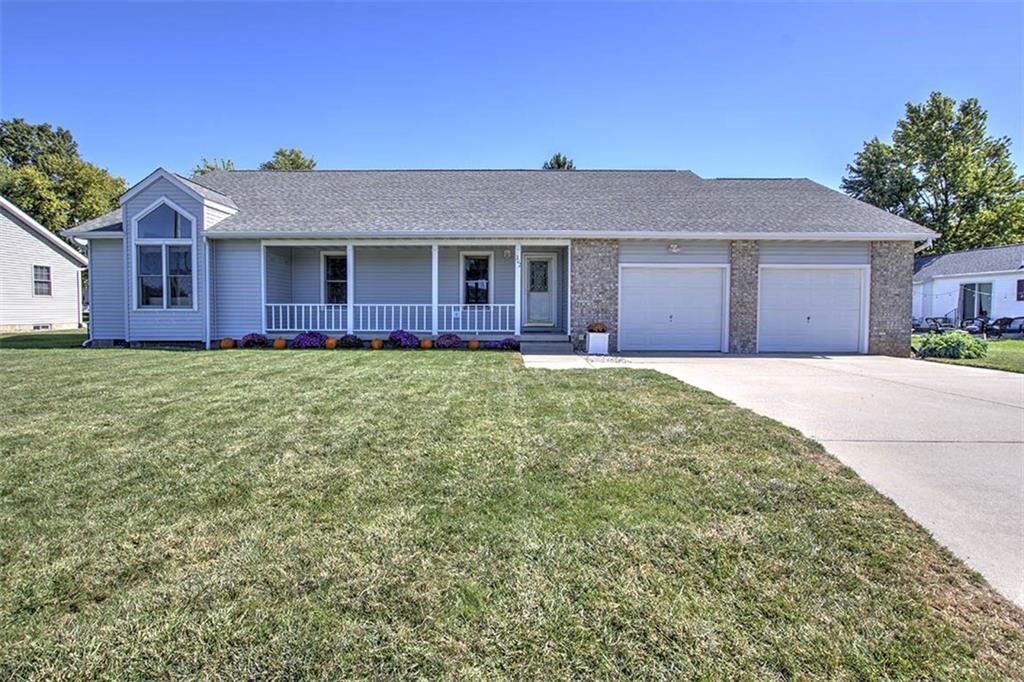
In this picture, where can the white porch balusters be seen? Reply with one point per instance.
(519, 287)
(350, 288)
(433, 289)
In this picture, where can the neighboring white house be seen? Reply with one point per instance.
(968, 284)
(40, 275)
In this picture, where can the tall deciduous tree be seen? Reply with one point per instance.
(943, 170)
(559, 161)
(208, 165)
(289, 159)
(41, 172)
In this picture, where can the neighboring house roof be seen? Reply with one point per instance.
(989, 259)
(537, 202)
(59, 245)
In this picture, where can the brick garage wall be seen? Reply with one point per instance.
(743, 260)
(595, 288)
(892, 268)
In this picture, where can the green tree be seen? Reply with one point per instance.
(289, 159)
(208, 165)
(559, 161)
(943, 170)
(41, 172)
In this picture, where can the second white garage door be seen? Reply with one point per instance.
(806, 310)
(671, 309)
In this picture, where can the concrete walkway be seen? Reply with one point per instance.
(946, 443)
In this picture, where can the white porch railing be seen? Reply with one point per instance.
(382, 317)
(499, 317)
(302, 317)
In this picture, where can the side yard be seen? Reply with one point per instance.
(1003, 354)
(429, 513)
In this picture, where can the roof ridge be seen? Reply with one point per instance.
(459, 170)
(978, 248)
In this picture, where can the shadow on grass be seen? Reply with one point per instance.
(42, 340)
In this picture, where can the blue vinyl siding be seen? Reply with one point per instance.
(392, 274)
(279, 275)
(688, 251)
(106, 289)
(236, 288)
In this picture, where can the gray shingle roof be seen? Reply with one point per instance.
(207, 192)
(989, 259)
(108, 222)
(508, 202)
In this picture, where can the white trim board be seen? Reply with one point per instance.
(560, 237)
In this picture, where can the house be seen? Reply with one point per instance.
(40, 275)
(968, 284)
(668, 260)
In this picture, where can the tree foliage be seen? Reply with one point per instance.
(42, 172)
(289, 159)
(559, 161)
(944, 171)
(208, 165)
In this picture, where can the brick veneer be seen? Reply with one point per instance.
(892, 269)
(743, 261)
(595, 288)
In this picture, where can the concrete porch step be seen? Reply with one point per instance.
(548, 344)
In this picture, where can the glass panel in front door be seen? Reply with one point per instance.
(538, 276)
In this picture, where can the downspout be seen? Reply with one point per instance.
(927, 245)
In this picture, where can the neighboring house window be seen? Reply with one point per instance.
(163, 259)
(335, 278)
(476, 278)
(41, 283)
(1020, 289)
(975, 300)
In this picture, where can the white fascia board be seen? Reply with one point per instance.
(164, 174)
(578, 234)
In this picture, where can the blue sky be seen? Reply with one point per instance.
(724, 89)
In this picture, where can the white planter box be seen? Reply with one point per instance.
(597, 344)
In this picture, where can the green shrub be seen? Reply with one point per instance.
(956, 344)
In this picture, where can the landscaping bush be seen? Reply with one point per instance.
(309, 340)
(403, 339)
(491, 345)
(255, 340)
(597, 328)
(510, 343)
(956, 344)
(448, 340)
(350, 341)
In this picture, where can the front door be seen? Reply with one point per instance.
(541, 290)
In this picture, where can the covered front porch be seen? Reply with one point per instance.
(475, 288)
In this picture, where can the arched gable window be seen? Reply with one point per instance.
(164, 255)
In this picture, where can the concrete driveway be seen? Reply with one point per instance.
(946, 443)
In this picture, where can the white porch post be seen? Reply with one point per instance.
(519, 287)
(433, 289)
(350, 289)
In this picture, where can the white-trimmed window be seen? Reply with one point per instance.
(42, 285)
(477, 275)
(334, 267)
(165, 258)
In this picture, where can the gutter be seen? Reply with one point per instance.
(577, 234)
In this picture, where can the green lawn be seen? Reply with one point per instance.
(287, 514)
(1004, 354)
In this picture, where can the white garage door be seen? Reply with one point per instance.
(674, 309)
(810, 311)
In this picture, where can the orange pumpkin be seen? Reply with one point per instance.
(377, 344)
(227, 343)
(473, 344)
(426, 344)
(280, 344)
(331, 343)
